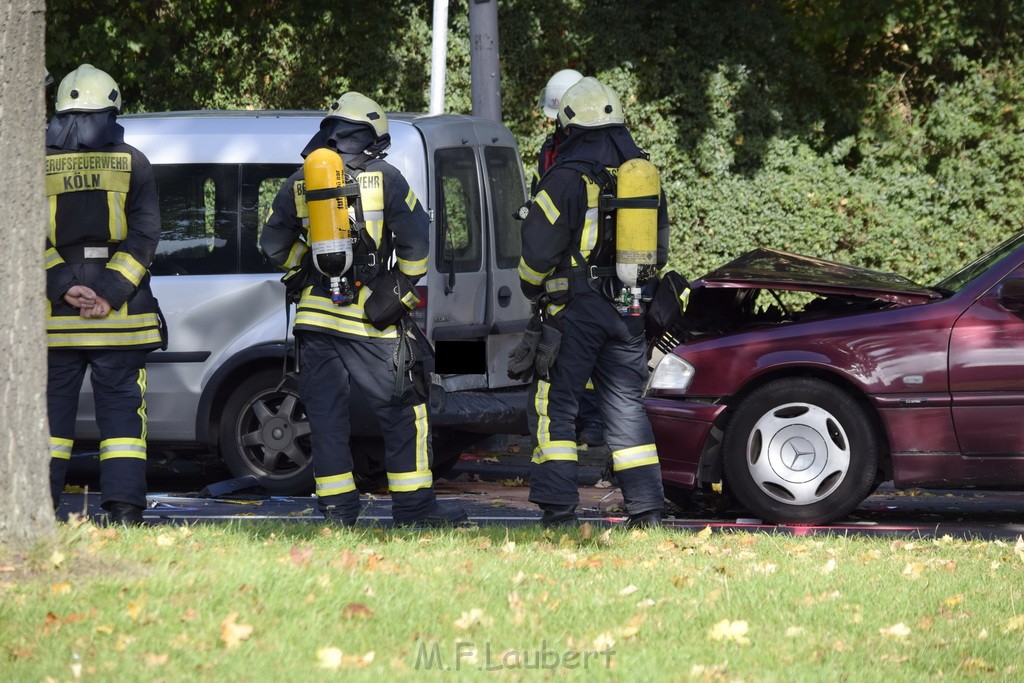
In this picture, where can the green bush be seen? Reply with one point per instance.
(887, 134)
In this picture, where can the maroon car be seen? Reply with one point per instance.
(802, 384)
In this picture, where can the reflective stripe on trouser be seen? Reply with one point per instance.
(331, 366)
(600, 344)
(118, 381)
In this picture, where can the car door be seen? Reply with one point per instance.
(986, 375)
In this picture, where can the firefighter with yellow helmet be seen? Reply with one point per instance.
(101, 315)
(596, 233)
(337, 226)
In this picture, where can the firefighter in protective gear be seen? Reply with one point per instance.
(550, 97)
(356, 344)
(589, 427)
(567, 266)
(103, 231)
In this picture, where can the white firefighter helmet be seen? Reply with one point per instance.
(88, 89)
(552, 93)
(358, 108)
(590, 104)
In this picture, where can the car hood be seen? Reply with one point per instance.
(780, 270)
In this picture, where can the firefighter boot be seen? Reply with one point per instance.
(341, 510)
(125, 513)
(644, 520)
(440, 516)
(558, 515)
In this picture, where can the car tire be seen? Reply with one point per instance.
(800, 451)
(264, 432)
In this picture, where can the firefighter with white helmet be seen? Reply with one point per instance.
(550, 98)
(352, 307)
(573, 269)
(101, 315)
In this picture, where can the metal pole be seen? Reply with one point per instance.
(484, 69)
(439, 56)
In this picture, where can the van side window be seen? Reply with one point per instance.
(508, 192)
(458, 202)
(260, 183)
(199, 218)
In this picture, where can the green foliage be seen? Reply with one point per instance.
(887, 134)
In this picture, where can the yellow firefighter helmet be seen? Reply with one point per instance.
(590, 104)
(358, 108)
(88, 89)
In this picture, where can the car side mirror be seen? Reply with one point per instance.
(1011, 295)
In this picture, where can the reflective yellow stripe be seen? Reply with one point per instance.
(413, 268)
(553, 309)
(528, 274)
(295, 254)
(410, 300)
(555, 450)
(53, 258)
(319, 312)
(66, 323)
(98, 339)
(540, 404)
(410, 481)
(543, 200)
(422, 434)
(122, 448)
(590, 384)
(375, 228)
(53, 220)
(117, 223)
(588, 237)
(556, 285)
(141, 383)
(60, 448)
(335, 485)
(637, 456)
(126, 264)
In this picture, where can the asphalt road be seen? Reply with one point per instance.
(493, 489)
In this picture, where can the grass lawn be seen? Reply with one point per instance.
(301, 602)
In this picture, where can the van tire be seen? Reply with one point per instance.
(277, 451)
(264, 432)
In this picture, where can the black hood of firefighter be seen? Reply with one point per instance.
(350, 140)
(609, 146)
(84, 130)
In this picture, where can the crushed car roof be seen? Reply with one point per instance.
(774, 269)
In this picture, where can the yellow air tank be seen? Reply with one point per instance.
(638, 192)
(330, 232)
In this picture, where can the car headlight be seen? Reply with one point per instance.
(671, 374)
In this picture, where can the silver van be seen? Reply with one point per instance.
(218, 387)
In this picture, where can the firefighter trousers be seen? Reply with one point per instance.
(118, 381)
(601, 344)
(331, 366)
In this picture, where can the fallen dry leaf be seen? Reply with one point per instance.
(628, 590)
(1015, 624)
(60, 588)
(355, 610)
(897, 631)
(734, 631)
(233, 633)
(153, 659)
(300, 555)
(469, 619)
(329, 657)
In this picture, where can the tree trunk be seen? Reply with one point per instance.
(26, 512)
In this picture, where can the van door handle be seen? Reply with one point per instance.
(504, 296)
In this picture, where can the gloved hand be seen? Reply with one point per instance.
(547, 349)
(521, 358)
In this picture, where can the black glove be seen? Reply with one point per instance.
(521, 358)
(547, 349)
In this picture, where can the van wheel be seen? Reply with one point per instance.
(264, 432)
